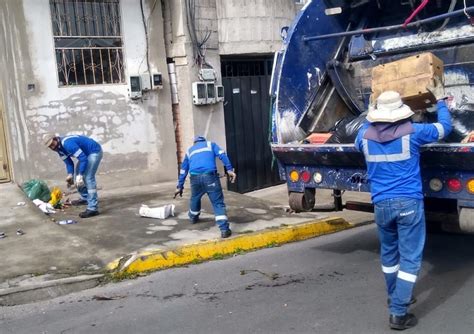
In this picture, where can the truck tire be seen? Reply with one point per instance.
(462, 222)
(302, 202)
(466, 220)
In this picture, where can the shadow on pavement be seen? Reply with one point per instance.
(450, 259)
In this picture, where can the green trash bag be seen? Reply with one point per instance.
(36, 189)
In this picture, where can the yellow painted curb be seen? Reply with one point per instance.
(150, 261)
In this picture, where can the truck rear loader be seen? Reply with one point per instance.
(322, 80)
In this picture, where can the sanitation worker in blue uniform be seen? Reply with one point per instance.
(89, 153)
(200, 162)
(391, 144)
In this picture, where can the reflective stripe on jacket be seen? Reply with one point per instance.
(78, 147)
(201, 158)
(393, 167)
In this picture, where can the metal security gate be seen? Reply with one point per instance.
(247, 122)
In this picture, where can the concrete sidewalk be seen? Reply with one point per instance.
(51, 259)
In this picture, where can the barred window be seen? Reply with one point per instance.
(87, 42)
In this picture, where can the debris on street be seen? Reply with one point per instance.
(97, 297)
(66, 222)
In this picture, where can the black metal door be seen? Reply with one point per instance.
(247, 123)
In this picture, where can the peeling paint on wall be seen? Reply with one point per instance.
(137, 136)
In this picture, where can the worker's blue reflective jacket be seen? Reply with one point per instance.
(393, 167)
(79, 147)
(201, 158)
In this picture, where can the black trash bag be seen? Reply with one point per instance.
(462, 119)
(345, 130)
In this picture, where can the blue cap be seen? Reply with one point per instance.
(199, 138)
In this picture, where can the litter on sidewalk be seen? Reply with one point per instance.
(45, 207)
(161, 212)
(37, 189)
(66, 222)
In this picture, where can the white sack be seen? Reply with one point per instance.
(161, 212)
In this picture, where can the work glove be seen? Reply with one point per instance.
(179, 191)
(437, 89)
(232, 176)
(79, 181)
(69, 180)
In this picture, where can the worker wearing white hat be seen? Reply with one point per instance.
(391, 144)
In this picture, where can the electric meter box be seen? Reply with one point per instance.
(157, 81)
(207, 74)
(135, 87)
(219, 93)
(211, 92)
(145, 82)
(199, 93)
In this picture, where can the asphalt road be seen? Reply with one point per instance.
(330, 284)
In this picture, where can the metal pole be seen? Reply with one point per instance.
(390, 28)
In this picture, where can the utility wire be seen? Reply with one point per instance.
(146, 23)
(199, 44)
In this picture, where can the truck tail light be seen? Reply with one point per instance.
(454, 185)
(294, 176)
(305, 176)
(318, 177)
(436, 184)
(470, 186)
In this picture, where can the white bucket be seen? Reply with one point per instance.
(161, 212)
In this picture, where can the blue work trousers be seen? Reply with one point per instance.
(89, 190)
(402, 233)
(209, 184)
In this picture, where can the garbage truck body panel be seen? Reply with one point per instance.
(319, 78)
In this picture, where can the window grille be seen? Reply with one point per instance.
(87, 42)
(246, 67)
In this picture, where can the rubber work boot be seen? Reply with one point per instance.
(226, 233)
(401, 322)
(88, 213)
(78, 202)
(411, 302)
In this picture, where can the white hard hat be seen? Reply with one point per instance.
(389, 108)
(48, 138)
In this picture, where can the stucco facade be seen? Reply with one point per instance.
(237, 27)
(137, 135)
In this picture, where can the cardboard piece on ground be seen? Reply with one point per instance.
(410, 77)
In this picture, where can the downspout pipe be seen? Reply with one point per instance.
(391, 28)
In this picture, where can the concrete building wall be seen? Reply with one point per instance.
(252, 26)
(237, 27)
(137, 136)
(206, 120)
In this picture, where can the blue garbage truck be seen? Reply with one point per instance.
(321, 83)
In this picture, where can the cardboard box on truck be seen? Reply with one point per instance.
(410, 77)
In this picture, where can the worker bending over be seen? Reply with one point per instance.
(89, 154)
